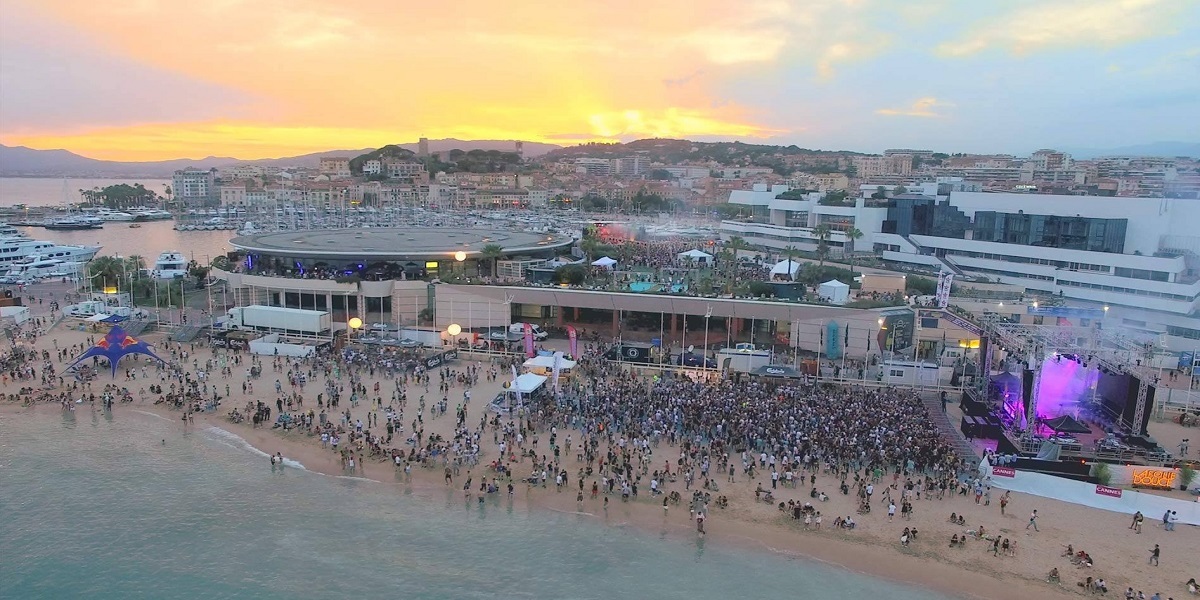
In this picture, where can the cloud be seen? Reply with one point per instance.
(1070, 24)
(922, 107)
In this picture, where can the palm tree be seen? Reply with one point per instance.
(492, 252)
(588, 247)
(790, 252)
(853, 234)
(822, 233)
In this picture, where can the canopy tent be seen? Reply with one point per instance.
(786, 269)
(527, 383)
(96, 318)
(1066, 424)
(605, 262)
(114, 346)
(834, 292)
(777, 371)
(1007, 383)
(547, 362)
(696, 255)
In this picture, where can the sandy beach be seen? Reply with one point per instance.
(873, 547)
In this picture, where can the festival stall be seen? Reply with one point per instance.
(834, 292)
(517, 393)
(700, 258)
(604, 262)
(786, 270)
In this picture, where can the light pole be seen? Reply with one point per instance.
(354, 324)
(452, 332)
(707, 316)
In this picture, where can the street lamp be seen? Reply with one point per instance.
(460, 256)
(354, 323)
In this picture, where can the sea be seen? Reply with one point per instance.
(126, 506)
(115, 238)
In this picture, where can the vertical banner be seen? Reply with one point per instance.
(516, 389)
(557, 368)
(573, 337)
(944, 297)
(941, 285)
(529, 351)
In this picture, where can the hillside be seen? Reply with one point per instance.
(19, 161)
(669, 150)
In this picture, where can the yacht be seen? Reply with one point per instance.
(8, 231)
(150, 214)
(105, 214)
(16, 250)
(74, 223)
(170, 265)
(37, 267)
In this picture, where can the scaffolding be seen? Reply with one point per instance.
(1118, 349)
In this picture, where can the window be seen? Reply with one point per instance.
(895, 373)
(929, 323)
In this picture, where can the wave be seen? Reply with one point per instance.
(155, 415)
(238, 442)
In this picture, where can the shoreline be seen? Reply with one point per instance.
(872, 549)
(780, 536)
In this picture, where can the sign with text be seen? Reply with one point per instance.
(1111, 492)
(1004, 472)
(1155, 478)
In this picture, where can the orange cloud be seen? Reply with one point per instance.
(358, 73)
(922, 107)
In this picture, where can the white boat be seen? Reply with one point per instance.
(16, 250)
(170, 265)
(37, 267)
(150, 214)
(107, 214)
(8, 231)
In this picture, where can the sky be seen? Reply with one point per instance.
(160, 79)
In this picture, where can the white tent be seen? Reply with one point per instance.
(547, 362)
(605, 262)
(696, 255)
(787, 268)
(834, 292)
(527, 383)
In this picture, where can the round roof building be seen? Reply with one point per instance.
(398, 244)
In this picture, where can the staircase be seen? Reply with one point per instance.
(945, 262)
(949, 433)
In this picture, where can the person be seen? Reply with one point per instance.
(1154, 552)
(1171, 520)
(1033, 517)
(1053, 576)
(1192, 587)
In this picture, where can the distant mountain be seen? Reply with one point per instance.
(27, 162)
(1189, 149)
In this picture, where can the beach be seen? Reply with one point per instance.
(873, 548)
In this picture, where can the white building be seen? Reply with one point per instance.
(1140, 257)
(372, 167)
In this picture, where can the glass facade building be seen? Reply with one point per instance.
(1051, 231)
(914, 214)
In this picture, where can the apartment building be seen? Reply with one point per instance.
(194, 187)
(877, 166)
(334, 167)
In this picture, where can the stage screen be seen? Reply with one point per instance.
(1065, 386)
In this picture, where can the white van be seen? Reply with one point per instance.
(539, 334)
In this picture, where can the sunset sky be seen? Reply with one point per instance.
(157, 79)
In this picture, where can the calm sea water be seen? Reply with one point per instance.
(149, 240)
(97, 507)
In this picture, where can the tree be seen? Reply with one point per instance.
(790, 253)
(899, 190)
(570, 274)
(880, 193)
(113, 271)
(853, 234)
(734, 245)
(588, 246)
(492, 252)
(198, 271)
(822, 233)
